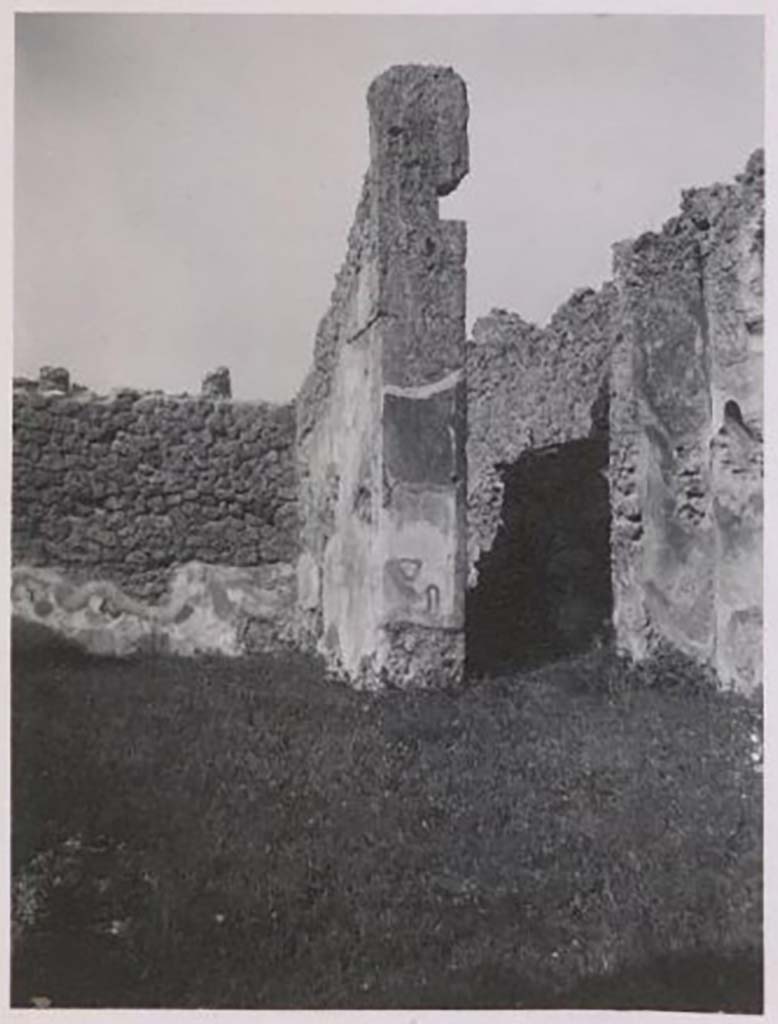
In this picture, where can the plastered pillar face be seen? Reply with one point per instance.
(662, 528)
(418, 152)
(382, 574)
(733, 249)
(627, 461)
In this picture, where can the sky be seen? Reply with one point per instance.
(184, 184)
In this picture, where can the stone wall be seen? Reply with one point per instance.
(381, 415)
(686, 432)
(128, 489)
(665, 364)
(529, 388)
(615, 452)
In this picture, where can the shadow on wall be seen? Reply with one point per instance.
(544, 588)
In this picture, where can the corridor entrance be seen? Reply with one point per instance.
(544, 588)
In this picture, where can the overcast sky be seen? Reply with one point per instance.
(185, 184)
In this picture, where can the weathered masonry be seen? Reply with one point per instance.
(147, 521)
(430, 504)
(687, 433)
(615, 456)
(381, 429)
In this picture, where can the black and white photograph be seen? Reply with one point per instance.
(386, 450)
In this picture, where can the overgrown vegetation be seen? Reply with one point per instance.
(240, 834)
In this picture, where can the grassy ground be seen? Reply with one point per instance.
(239, 834)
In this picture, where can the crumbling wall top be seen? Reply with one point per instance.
(420, 111)
(55, 385)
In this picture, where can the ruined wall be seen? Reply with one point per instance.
(732, 247)
(381, 415)
(627, 432)
(686, 432)
(530, 387)
(339, 458)
(131, 488)
(665, 364)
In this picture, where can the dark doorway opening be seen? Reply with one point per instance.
(544, 589)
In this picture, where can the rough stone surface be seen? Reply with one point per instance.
(612, 457)
(129, 487)
(217, 383)
(54, 378)
(381, 415)
(416, 657)
(528, 388)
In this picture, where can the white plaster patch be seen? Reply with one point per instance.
(206, 610)
(419, 550)
(425, 390)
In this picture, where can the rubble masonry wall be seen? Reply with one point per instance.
(119, 494)
(529, 388)
(353, 520)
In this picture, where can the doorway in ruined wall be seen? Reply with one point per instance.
(544, 589)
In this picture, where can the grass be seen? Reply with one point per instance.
(240, 834)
